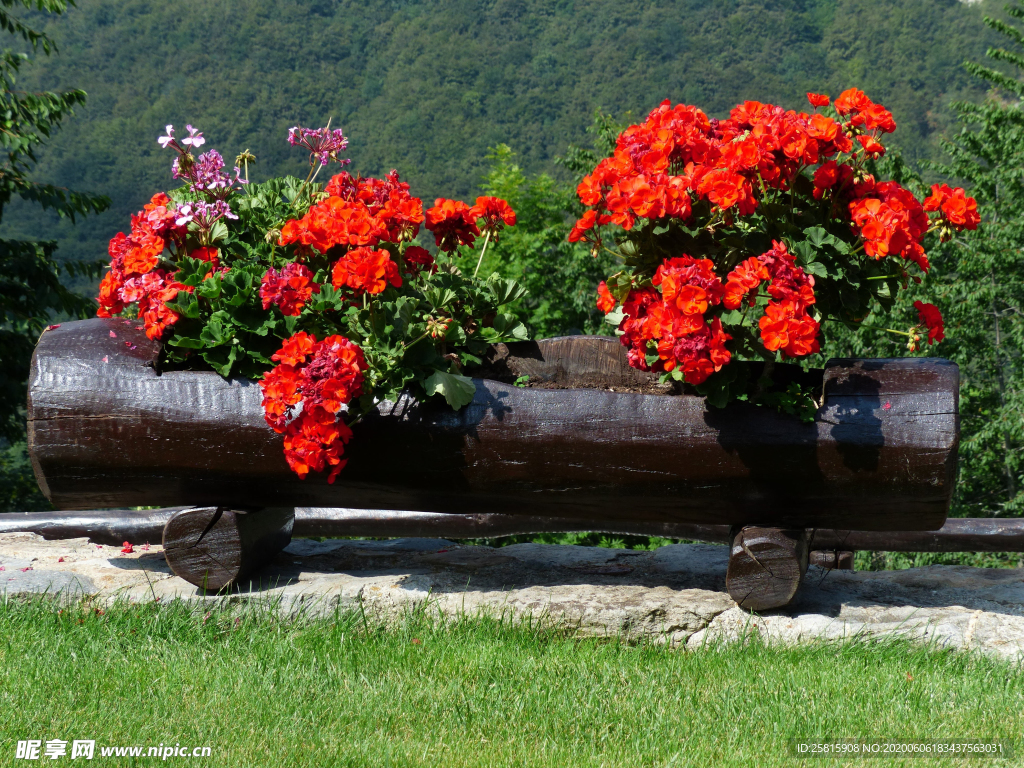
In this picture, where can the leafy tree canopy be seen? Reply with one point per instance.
(429, 87)
(30, 281)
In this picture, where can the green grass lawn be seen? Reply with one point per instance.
(265, 691)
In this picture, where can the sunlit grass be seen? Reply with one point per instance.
(268, 691)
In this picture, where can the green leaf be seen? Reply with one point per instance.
(455, 334)
(218, 329)
(732, 317)
(186, 305)
(816, 268)
(615, 317)
(218, 231)
(504, 291)
(209, 289)
(222, 359)
(329, 298)
(805, 252)
(186, 342)
(457, 390)
(818, 236)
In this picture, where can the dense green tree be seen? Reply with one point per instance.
(427, 86)
(561, 277)
(977, 280)
(30, 281)
(981, 283)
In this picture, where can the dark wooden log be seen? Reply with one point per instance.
(106, 430)
(831, 559)
(105, 526)
(216, 548)
(765, 566)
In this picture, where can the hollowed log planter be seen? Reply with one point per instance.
(106, 429)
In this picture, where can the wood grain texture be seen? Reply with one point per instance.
(831, 559)
(766, 566)
(106, 430)
(216, 548)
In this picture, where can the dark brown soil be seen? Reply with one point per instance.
(556, 364)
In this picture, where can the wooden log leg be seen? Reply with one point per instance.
(765, 566)
(215, 548)
(832, 559)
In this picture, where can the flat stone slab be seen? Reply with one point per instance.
(675, 594)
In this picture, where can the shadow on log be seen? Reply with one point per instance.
(215, 548)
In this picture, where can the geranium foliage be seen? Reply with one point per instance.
(742, 238)
(319, 290)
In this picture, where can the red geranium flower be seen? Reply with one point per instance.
(288, 289)
(453, 224)
(930, 317)
(417, 259)
(366, 270)
(492, 214)
(852, 100)
(871, 146)
(605, 301)
(323, 376)
(958, 209)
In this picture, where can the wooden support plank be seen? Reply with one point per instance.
(106, 430)
(216, 548)
(113, 526)
(765, 566)
(100, 526)
(965, 534)
(327, 521)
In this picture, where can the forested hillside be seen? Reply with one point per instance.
(427, 87)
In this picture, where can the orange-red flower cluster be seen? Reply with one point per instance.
(789, 327)
(679, 154)
(357, 212)
(492, 215)
(365, 270)
(786, 324)
(675, 318)
(958, 209)
(931, 318)
(322, 376)
(133, 275)
(605, 300)
(672, 321)
(387, 199)
(288, 289)
(454, 223)
(891, 221)
(679, 164)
